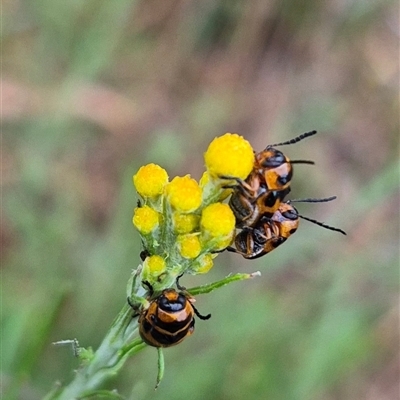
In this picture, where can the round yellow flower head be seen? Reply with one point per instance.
(189, 246)
(185, 223)
(184, 194)
(218, 220)
(145, 219)
(229, 155)
(204, 263)
(153, 267)
(150, 180)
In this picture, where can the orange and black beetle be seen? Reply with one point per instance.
(250, 203)
(275, 167)
(168, 319)
(269, 233)
(261, 193)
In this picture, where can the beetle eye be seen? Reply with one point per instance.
(274, 161)
(163, 302)
(284, 179)
(290, 214)
(181, 299)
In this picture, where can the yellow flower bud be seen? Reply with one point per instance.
(185, 223)
(145, 219)
(153, 267)
(229, 155)
(189, 246)
(184, 194)
(204, 264)
(218, 220)
(150, 180)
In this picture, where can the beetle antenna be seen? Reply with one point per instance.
(311, 200)
(302, 162)
(331, 228)
(294, 140)
(203, 317)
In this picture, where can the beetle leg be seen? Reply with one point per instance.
(203, 317)
(182, 288)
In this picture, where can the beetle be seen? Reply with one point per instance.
(261, 193)
(269, 233)
(169, 317)
(250, 203)
(275, 167)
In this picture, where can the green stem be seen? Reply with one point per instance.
(119, 344)
(215, 285)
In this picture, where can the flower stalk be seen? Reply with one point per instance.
(184, 225)
(119, 344)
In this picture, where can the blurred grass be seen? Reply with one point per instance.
(92, 90)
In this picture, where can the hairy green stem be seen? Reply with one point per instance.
(121, 342)
(215, 285)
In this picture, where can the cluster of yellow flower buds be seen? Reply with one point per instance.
(184, 223)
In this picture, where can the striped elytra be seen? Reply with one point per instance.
(269, 233)
(168, 319)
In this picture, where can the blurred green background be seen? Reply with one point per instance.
(93, 89)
